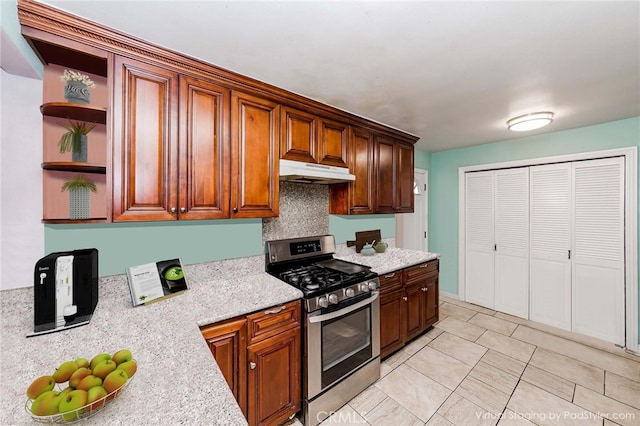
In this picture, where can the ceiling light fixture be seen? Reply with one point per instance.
(532, 121)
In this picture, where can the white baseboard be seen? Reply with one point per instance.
(449, 295)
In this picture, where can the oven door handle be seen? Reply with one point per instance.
(343, 311)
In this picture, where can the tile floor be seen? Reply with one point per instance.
(481, 367)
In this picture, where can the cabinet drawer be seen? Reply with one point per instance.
(419, 271)
(391, 281)
(272, 321)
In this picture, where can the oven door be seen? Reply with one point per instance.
(340, 342)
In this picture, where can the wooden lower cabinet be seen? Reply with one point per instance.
(408, 305)
(262, 368)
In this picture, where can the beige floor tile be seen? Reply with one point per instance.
(622, 389)
(438, 420)
(440, 367)
(492, 323)
(495, 377)
(470, 306)
(390, 363)
(346, 416)
(569, 369)
(549, 382)
(451, 310)
(418, 344)
(504, 362)
(544, 408)
(606, 407)
(417, 393)
(459, 348)
(509, 418)
(483, 395)
(461, 411)
(461, 328)
(367, 400)
(390, 413)
(506, 345)
(622, 366)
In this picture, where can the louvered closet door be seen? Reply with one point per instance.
(550, 267)
(479, 238)
(598, 249)
(512, 241)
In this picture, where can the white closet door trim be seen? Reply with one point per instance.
(631, 224)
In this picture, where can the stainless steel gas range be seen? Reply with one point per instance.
(341, 353)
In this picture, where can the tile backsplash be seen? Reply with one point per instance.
(304, 211)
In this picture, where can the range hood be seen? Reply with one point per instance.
(296, 171)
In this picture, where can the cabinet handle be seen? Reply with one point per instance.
(424, 265)
(404, 298)
(183, 210)
(425, 289)
(235, 210)
(252, 365)
(173, 209)
(275, 311)
(391, 275)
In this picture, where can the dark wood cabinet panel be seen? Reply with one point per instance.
(227, 342)
(392, 314)
(255, 139)
(299, 136)
(333, 141)
(274, 378)
(385, 170)
(414, 314)
(145, 159)
(432, 300)
(405, 179)
(205, 155)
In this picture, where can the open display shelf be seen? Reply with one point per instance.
(70, 166)
(75, 111)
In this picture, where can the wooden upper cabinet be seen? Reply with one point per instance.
(145, 167)
(299, 136)
(394, 176)
(205, 154)
(255, 140)
(333, 141)
(405, 178)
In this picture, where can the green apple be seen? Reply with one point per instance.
(82, 362)
(98, 359)
(70, 404)
(129, 367)
(94, 394)
(114, 381)
(65, 371)
(77, 376)
(47, 403)
(123, 355)
(105, 367)
(89, 382)
(66, 390)
(40, 385)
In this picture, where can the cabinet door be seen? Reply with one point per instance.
(431, 300)
(227, 342)
(361, 165)
(404, 183)
(274, 378)
(392, 307)
(333, 143)
(414, 314)
(385, 171)
(299, 136)
(204, 150)
(145, 166)
(255, 138)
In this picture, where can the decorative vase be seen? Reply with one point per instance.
(77, 92)
(79, 203)
(79, 149)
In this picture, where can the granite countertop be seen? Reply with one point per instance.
(178, 380)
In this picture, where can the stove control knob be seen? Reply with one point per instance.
(333, 299)
(364, 287)
(372, 285)
(323, 302)
(349, 292)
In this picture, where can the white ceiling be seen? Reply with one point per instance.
(449, 72)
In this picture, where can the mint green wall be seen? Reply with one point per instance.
(125, 244)
(422, 160)
(344, 227)
(443, 177)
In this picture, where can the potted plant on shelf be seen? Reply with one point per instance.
(75, 140)
(77, 87)
(79, 189)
